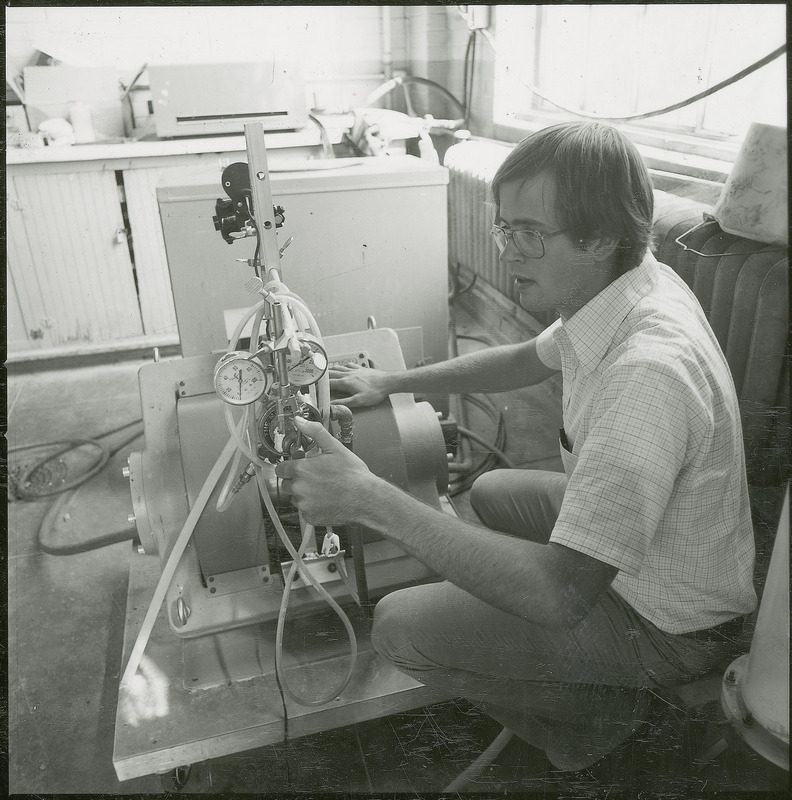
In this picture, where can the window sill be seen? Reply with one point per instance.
(692, 165)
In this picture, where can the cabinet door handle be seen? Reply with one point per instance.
(120, 235)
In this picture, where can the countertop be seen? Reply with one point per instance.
(396, 126)
(155, 147)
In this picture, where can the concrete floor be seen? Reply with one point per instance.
(66, 618)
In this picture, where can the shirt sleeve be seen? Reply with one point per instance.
(628, 465)
(547, 348)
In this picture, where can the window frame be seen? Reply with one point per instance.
(672, 148)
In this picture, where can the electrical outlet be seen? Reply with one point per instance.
(478, 17)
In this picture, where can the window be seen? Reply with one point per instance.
(618, 60)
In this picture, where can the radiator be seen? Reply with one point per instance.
(471, 167)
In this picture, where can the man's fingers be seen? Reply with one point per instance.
(316, 431)
(353, 401)
(347, 366)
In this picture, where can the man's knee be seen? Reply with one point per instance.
(486, 493)
(388, 631)
(522, 502)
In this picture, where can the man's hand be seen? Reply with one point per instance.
(331, 488)
(360, 386)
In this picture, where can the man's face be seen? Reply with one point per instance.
(567, 276)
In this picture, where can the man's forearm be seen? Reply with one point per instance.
(515, 575)
(494, 369)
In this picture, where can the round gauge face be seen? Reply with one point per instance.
(239, 380)
(310, 365)
(271, 437)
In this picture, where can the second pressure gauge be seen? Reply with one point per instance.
(310, 365)
(239, 379)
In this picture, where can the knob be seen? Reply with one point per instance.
(125, 471)
(182, 611)
(131, 519)
(141, 551)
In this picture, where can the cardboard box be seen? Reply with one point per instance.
(51, 91)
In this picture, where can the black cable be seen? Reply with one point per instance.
(70, 444)
(282, 694)
(454, 278)
(496, 451)
(52, 512)
(20, 447)
(464, 482)
(408, 101)
(472, 338)
(489, 463)
(327, 145)
(69, 550)
(465, 76)
(393, 83)
(472, 69)
(249, 201)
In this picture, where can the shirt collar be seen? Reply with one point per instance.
(590, 330)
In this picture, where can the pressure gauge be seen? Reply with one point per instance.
(310, 365)
(239, 379)
(272, 437)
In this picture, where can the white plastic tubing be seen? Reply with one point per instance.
(238, 445)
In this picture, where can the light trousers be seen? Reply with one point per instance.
(576, 694)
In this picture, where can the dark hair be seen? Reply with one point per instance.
(603, 185)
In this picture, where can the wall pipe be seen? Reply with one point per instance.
(387, 45)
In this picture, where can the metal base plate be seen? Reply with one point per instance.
(245, 712)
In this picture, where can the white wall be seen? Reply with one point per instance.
(334, 42)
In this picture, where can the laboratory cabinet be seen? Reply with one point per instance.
(367, 246)
(70, 276)
(86, 268)
(88, 271)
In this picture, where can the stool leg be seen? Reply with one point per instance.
(484, 760)
(711, 753)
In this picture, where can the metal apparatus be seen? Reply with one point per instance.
(216, 528)
(205, 99)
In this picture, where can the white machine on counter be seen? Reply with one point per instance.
(202, 99)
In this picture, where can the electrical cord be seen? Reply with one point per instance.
(48, 523)
(387, 87)
(472, 771)
(70, 444)
(468, 75)
(492, 449)
(327, 146)
(472, 338)
(455, 290)
(495, 453)
(490, 461)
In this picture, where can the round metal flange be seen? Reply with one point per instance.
(763, 741)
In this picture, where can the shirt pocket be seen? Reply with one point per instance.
(569, 460)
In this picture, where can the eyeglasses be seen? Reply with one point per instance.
(529, 243)
(752, 249)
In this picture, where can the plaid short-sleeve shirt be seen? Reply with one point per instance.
(654, 453)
